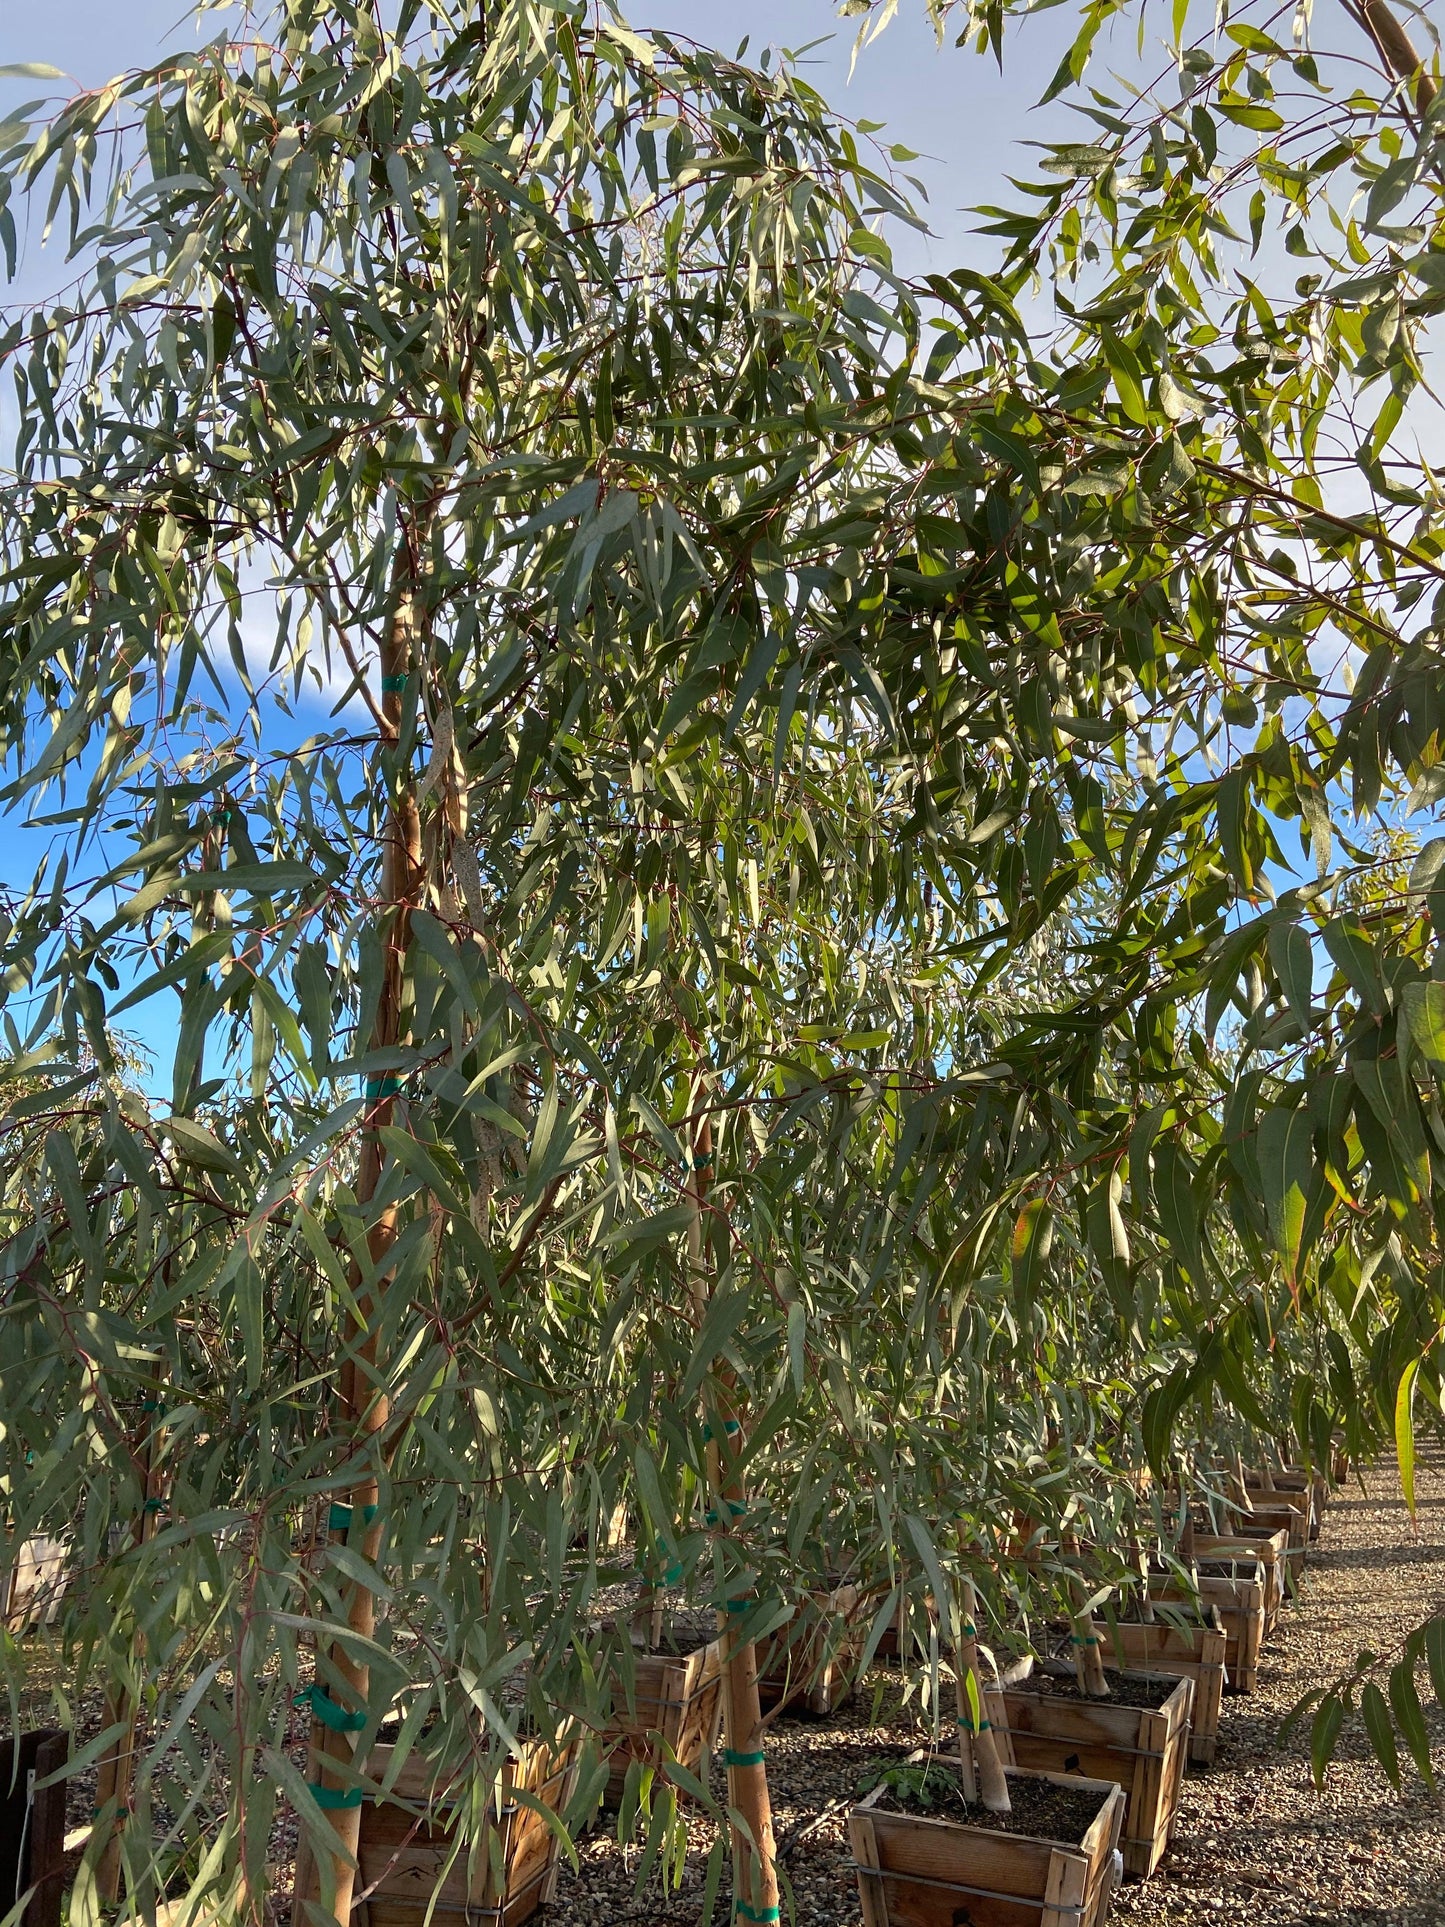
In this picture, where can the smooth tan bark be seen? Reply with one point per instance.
(979, 1764)
(115, 1773)
(754, 1852)
(326, 1885)
(1396, 50)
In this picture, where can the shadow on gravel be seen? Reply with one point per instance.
(1344, 1558)
(1427, 1913)
(1382, 1505)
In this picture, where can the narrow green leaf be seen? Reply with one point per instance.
(1286, 1169)
(1410, 1718)
(1382, 1734)
(1405, 1433)
(1324, 1735)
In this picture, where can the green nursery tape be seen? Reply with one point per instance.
(328, 1712)
(742, 1759)
(338, 1519)
(331, 1799)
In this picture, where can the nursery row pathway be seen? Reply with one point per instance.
(1255, 1843)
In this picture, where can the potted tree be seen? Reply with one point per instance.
(1138, 1736)
(413, 1867)
(935, 1842)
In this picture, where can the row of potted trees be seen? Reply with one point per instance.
(1068, 1772)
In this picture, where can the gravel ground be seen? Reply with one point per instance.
(1254, 1843)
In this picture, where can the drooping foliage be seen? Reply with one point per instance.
(529, 636)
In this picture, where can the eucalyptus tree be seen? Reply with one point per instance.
(1240, 262)
(513, 371)
(731, 682)
(538, 396)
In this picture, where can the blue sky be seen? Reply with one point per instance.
(956, 109)
(967, 121)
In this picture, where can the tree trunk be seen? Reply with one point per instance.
(324, 1886)
(755, 1874)
(115, 1774)
(1088, 1661)
(1396, 49)
(979, 1764)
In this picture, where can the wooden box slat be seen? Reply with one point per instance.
(1192, 1651)
(916, 1871)
(32, 1826)
(402, 1858)
(1143, 1750)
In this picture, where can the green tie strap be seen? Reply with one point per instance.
(745, 1912)
(393, 685)
(328, 1712)
(338, 1519)
(730, 1758)
(332, 1799)
(378, 1088)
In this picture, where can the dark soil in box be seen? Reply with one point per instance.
(678, 1642)
(1041, 1810)
(1125, 1689)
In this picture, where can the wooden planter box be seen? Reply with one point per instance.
(1195, 1651)
(672, 1712)
(915, 1871)
(34, 1586)
(1239, 1603)
(515, 1871)
(1144, 1750)
(1246, 1547)
(32, 1825)
(1292, 1518)
(1293, 1486)
(812, 1660)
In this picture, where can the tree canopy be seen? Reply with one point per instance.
(567, 672)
